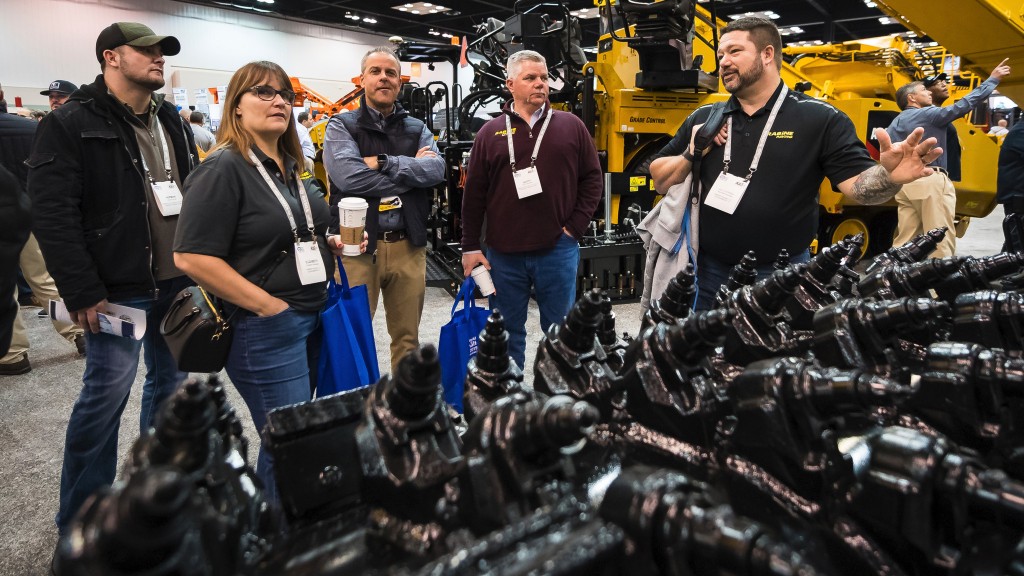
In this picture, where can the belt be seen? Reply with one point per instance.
(391, 235)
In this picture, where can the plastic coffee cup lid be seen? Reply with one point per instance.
(351, 203)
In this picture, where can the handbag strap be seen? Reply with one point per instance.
(466, 294)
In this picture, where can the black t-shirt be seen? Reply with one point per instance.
(809, 141)
(229, 212)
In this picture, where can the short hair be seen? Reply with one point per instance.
(231, 133)
(303, 116)
(379, 50)
(762, 33)
(37, 114)
(196, 117)
(905, 91)
(516, 59)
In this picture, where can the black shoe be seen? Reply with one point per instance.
(43, 313)
(21, 366)
(80, 344)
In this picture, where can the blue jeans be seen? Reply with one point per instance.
(552, 276)
(269, 366)
(713, 273)
(90, 445)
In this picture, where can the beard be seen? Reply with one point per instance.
(745, 79)
(144, 80)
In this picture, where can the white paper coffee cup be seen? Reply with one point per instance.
(352, 220)
(482, 277)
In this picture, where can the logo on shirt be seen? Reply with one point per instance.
(782, 134)
(505, 132)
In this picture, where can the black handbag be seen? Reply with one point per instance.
(196, 332)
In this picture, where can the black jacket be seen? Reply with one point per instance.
(89, 201)
(14, 225)
(16, 135)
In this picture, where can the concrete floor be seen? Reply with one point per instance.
(34, 410)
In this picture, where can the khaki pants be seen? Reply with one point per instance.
(924, 204)
(33, 267)
(401, 274)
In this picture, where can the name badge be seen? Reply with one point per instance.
(309, 263)
(168, 197)
(727, 192)
(527, 182)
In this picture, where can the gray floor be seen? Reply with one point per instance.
(34, 411)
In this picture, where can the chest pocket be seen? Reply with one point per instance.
(103, 152)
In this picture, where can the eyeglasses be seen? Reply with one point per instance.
(267, 93)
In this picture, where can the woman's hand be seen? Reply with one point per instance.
(274, 306)
(336, 245)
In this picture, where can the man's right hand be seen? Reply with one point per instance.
(1001, 71)
(86, 318)
(425, 152)
(720, 138)
(470, 261)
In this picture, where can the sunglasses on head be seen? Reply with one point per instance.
(267, 93)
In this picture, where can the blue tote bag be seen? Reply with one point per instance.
(457, 343)
(348, 354)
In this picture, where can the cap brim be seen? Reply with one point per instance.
(169, 44)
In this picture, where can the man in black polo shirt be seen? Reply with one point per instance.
(768, 200)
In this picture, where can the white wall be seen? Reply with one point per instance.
(44, 40)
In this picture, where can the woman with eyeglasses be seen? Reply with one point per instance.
(250, 233)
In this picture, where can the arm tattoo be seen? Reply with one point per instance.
(874, 186)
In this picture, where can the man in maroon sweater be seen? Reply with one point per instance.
(535, 172)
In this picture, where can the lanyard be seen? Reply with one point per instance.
(163, 145)
(536, 147)
(761, 143)
(284, 203)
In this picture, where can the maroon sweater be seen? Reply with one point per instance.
(570, 175)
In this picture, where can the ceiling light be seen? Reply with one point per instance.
(422, 8)
(763, 14)
(790, 30)
(266, 1)
(886, 20)
(586, 13)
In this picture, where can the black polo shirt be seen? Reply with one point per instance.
(229, 212)
(809, 141)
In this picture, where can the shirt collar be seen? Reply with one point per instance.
(290, 163)
(535, 117)
(733, 105)
(377, 115)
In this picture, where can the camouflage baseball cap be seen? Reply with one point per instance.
(133, 34)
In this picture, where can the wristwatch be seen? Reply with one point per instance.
(382, 162)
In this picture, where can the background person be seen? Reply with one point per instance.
(532, 231)
(931, 201)
(58, 92)
(234, 232)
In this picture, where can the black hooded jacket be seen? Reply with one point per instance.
(89, 200)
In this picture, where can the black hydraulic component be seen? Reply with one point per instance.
(901, 280)
(668, 382)
(514, 450)
(782, 260)
(916, 250)
(917, 490)
(742, 274)
(491, 374)
(866, 335)
(990, 318)
(757, 330)
(408, 451)
(614, 346)
(974, 396)
(675, 302)
(813, 292)
(786, 411)
(978, 274)
(677, 530)
(844, 283)
(571, 361)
